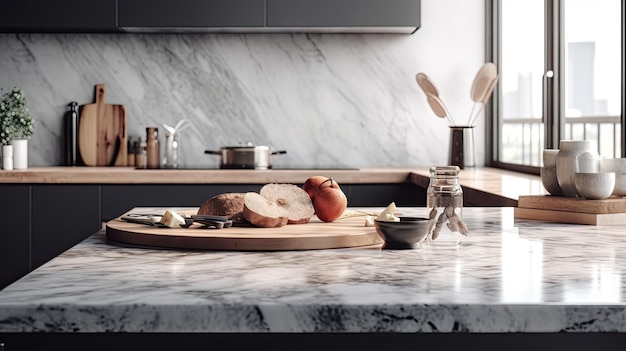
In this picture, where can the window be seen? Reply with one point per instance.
(561, 77)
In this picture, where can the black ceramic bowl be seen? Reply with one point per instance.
(404, 234)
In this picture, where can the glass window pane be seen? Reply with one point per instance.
(593, 70)
(522, 68)
(592, 57)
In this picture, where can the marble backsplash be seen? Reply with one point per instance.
(330, 100)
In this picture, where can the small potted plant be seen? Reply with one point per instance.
(16, 126)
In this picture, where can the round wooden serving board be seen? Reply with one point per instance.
(342, 233)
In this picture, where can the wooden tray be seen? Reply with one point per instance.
(571, 217)
(572, 204)
(572, 210)
(342, 233)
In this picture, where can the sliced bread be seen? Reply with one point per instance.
(263, 212)
(227, 204)
(291, 197)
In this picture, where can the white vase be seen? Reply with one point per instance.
(7, 157)
(567, 165)
(20, 153)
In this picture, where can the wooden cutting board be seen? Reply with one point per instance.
(342, 233)
(102, 134)
(575, 210)
(572, 204)
(570, 217)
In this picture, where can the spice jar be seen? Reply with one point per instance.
(153, 154)
(130, 152)
(140, 154)
(444, 202)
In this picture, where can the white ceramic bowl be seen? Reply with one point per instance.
(595, 186)
(617, 165)
(549, 180)
(620, 185)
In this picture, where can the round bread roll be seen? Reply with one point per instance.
(227, 204)
(293, 198)
(263, 212)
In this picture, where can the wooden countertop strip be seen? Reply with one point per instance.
(129, 175)
(481, 182)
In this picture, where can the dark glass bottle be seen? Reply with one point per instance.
(71, 135)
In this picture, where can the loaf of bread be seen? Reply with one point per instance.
(227, 204)
(274, 206)
(291, 197)
(263, 212)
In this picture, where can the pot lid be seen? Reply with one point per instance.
(247, 146)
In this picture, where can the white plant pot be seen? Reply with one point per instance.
(20, 153)
(7, 157)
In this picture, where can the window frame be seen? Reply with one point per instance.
(553, 116)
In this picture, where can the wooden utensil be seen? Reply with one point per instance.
(436, 104)
(482, 86)
(426, 84)
(102, 135)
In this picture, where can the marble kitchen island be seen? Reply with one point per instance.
(506, 278)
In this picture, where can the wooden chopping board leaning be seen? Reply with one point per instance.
(102, 134)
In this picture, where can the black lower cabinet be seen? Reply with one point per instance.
(118, 199)
(63, 215)
(14, 233)
(381, 195)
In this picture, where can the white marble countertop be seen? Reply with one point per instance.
(506, 276)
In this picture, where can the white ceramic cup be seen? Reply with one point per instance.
(588, 162)
(7, 157)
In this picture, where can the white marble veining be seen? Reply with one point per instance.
(330, 100)
(506, 276)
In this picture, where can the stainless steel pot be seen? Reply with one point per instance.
(245, 157)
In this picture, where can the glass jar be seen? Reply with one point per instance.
(170, 160)
(140, 154)
(444, 202)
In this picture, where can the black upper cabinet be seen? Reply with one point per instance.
(50, 16)
(164, 15)
(188, 16)
(343, 15)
